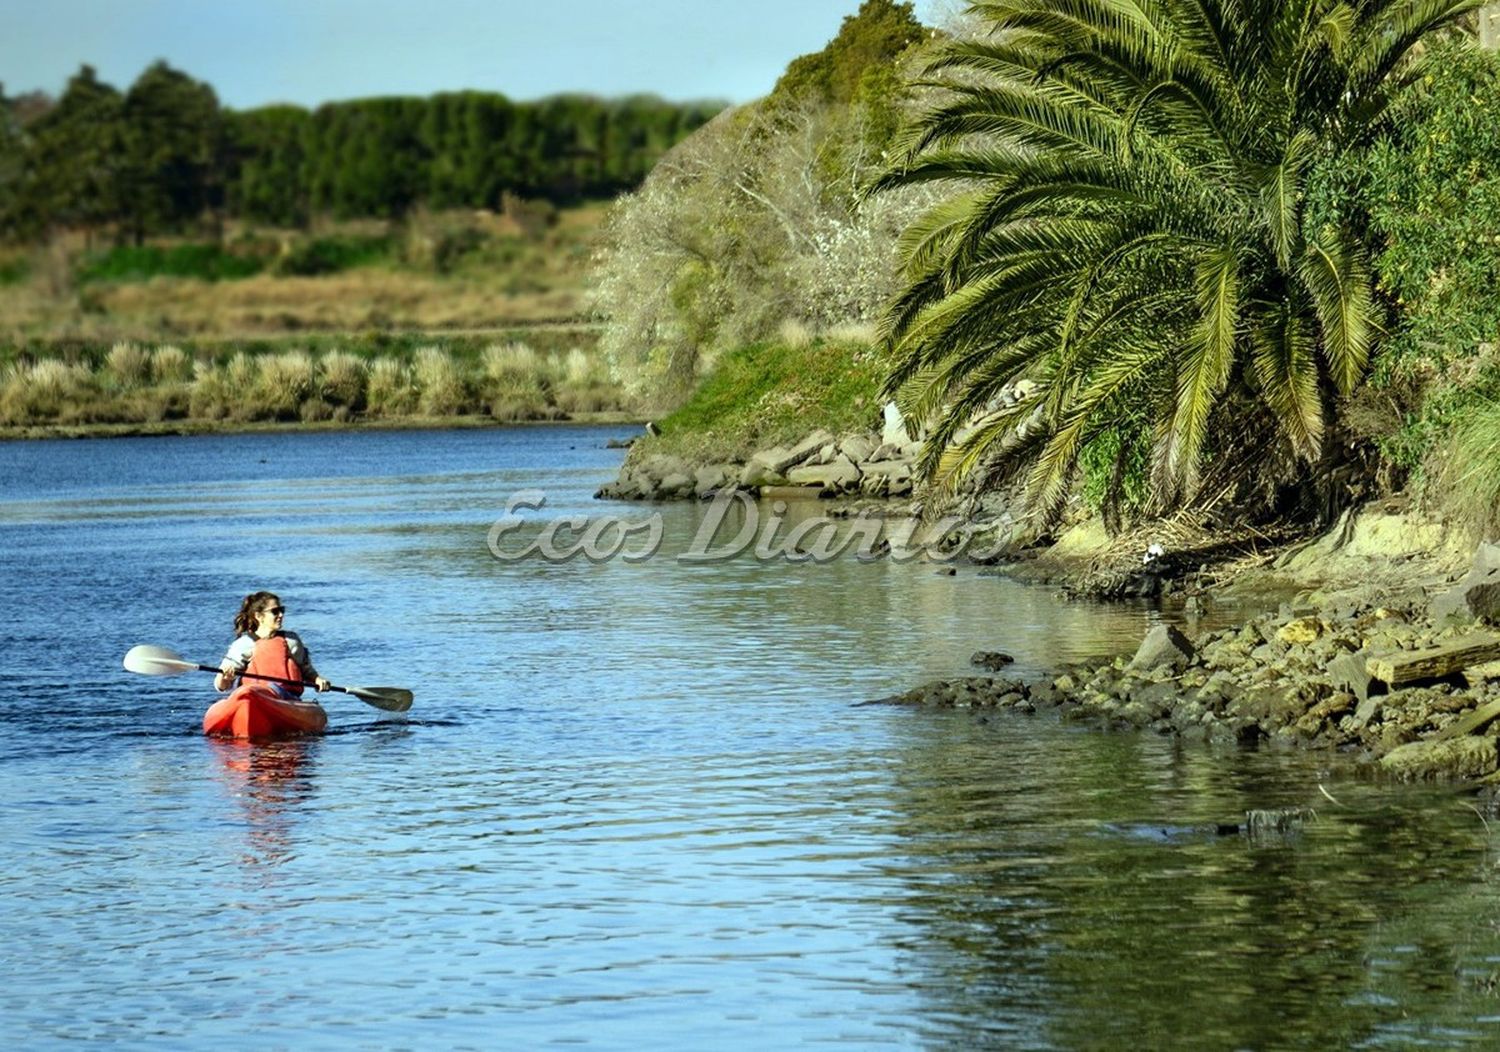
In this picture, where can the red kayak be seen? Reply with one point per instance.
(255, 712)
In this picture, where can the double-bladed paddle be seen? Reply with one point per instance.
(159, 661)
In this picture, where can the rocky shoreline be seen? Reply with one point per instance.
(1379, 595)
(1413, 686)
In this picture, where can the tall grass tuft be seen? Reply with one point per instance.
(389, 391)
(46, 390)
(440, 386)
(286, 380)
(344, 378)
(211, 395)
(171, 364)
(129, 364)
(1471, 473)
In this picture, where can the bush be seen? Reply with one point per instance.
(344, 377)
(171, 365)
(389, 390)
(440, 387)
(1470, 489)
(286, 380)
(129, 364)
(207, 262)
(330, 255)
(1431, 192)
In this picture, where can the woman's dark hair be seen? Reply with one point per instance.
(255, 602)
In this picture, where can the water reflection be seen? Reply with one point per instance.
(270, 782)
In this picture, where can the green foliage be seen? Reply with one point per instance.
(1132, 234)
(1431, 188)
(765, 393)
(871, 38)
(758, 219)
(384, 379)
(165, 155)
(330, 255)
(140, 263)
(1470, 478)
(174, 141)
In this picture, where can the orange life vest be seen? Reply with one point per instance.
(271, 658)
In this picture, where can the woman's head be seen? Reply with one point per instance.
(260, 614)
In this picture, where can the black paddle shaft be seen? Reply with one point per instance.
(273, 679)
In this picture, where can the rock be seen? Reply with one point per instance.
(676, 484)
(839, 476)
(1367, 711)
(1351, 672)
(757, 473)
(1300, 632)
(619, 443)
(1163, 645)
(1477, 596)
(709, 479)
(990, 659)
(858, 447)
(1467, 757)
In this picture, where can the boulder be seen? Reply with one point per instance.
(1300, 632)
(676, 484)
(1477, 596)
(858, 447)
(709, 479)
(838, 476)
(990, 659)
(757, 474)
(1467, 757)
(1163, 645)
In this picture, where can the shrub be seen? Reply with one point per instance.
(344, 377)
(286, 380)
(211, 395)
(1470, 490)
(440, 387)
(389, 390)
(129, 364)
(170, 365)
(45, 390)
(330, 255)
(206, 262)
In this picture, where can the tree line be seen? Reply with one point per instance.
(165, 155)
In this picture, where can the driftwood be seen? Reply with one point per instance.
(1470, 723)
(1409, 666)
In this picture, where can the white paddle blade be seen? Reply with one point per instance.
(391, 699)
(156, 661)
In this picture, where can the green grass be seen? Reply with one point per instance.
(331, 255)
(208, 262)
(771, 393)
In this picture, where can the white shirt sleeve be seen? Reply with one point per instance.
(238, 655)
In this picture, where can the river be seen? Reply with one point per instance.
(636, 803)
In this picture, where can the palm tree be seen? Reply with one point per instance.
(1129, 232)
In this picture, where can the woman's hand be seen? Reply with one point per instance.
(224, 680)
(321, 684)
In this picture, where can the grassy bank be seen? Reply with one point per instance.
(380, 380)
(428, 271)
(775, 392)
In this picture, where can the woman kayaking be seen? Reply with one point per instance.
(262, 647)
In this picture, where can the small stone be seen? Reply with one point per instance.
(990, 659)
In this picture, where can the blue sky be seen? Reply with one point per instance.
(256, 52)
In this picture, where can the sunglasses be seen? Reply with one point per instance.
(275, 610)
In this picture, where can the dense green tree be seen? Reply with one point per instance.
(174, 151)
(267, 155)
(1131, 234)
(75, 159)
(872, 36)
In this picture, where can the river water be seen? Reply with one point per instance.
(635, 803)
